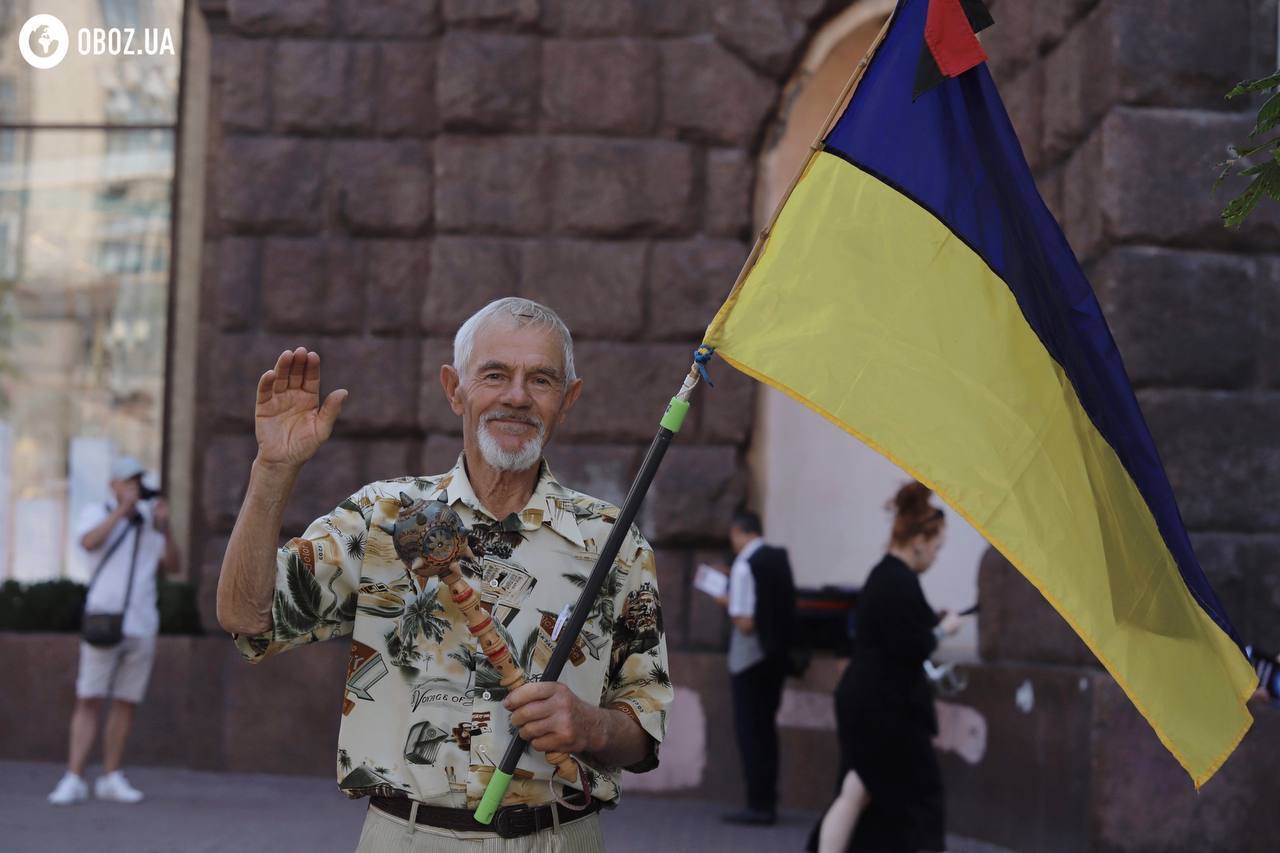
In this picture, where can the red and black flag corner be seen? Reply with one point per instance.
(951, 44)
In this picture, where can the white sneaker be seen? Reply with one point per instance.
(71, 789)
(115, 788)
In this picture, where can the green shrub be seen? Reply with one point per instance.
(57, 606)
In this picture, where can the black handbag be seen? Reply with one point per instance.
(105, 630)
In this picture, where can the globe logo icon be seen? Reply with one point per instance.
(43, 41)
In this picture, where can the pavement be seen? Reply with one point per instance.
(188, 811)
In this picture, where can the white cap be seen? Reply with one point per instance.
(126, 468)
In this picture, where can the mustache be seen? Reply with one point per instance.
(511, 416)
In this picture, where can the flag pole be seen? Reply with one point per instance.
(670, 424)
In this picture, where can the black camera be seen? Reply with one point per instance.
(146, 493)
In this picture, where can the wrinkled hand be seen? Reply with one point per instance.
(289, 421)
(552, 719)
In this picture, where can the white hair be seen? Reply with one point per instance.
(521, 459)
(521, 312)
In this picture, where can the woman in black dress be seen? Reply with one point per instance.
(891, 795)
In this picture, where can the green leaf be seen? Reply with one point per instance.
(1233, 215)
(1262, 84)
(305, 590)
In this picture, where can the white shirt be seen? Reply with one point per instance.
(744, 649)
(108, 592)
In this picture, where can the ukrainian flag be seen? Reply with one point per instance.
(915, 290)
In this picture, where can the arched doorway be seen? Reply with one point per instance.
(821, 493)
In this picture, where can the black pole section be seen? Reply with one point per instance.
(569, 633)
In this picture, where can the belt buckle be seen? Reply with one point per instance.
(503, 823)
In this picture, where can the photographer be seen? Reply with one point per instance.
(125, 540)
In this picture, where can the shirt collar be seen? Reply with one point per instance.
(750, 548)
(550, 504)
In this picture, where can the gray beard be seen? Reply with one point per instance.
(509, 460)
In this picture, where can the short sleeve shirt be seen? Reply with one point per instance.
(422, 712)
(107, 593)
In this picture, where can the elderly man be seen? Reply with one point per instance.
(424, 718)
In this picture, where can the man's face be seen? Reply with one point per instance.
(512, 395)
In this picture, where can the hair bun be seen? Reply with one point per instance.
(912, 498)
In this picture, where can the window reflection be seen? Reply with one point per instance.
(86, 177)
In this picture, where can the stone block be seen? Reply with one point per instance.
(596, 287)
(1010, 44)
(759, 31)
(241, 68)
(312, 285)
(405, 92)
(328, 477)
(215, 547)
(1033, 755)
(1145, 52)
(1241, 568)
(604, 471)
(676, 17)
(1268, 364)
(730, 187)
(708, 622)
(232, 374)
(487, 81)
(1144, 801)
(382, 186)
(284, 711)
(434, 414)
(694, 494)
(468, 273)
(391, 18)
(1016, 624)
(323, 87)
(593, 17)
(708, 94)
(398, 275)
(281, 17)
(607, 86)
(1081, 206)
(688, 281)
(228, 459)
(236, 281)
(386, 459)
(1221, 456)
(499, 185)
(675, 591)
(440, 454)
(726, 413)
(505, 13)
(1182, 318)
(626, 387)
(1050, 19)
(622, 187)
(1174, 202)
(271, 184)
(382, 376)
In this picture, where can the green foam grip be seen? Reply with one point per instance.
(674, 417)
(493, 794)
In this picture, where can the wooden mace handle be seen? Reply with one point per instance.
(481, 625)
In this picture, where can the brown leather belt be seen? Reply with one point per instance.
(508, 822)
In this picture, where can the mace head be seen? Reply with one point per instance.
(429, 535)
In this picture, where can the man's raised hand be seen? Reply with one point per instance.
(289, 421)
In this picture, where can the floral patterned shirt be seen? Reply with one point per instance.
(422, 713)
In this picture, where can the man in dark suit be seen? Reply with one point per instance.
(761, 603)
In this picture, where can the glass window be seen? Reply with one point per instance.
(86, 201)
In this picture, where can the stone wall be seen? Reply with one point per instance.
(1120, 108)
(379, 171)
